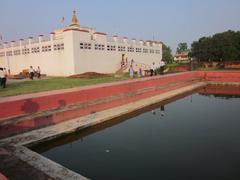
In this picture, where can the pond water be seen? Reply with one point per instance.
(196, 137)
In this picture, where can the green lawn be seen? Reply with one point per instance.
(53, 84)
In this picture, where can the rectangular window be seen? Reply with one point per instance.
(157, 51)
(138, 50)
(99, 47)
(35, 50)
(145, 50)
(111, 48)
(121, 48)
(2, 54)
(25, 51)
(16, 52)
(130, 49)
(151, 51)
(85, 46)
(58, 47)
(46, 48)
(9, 53)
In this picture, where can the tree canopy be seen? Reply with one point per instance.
(167, 53)
(182, 48)
(220, 47)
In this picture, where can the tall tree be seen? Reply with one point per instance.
(182, 47)
(167, 53)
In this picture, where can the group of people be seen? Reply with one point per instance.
(3, 77)
(153, 69)
(32, 72)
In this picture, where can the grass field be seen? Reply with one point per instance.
(18, 88)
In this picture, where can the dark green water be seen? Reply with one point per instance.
(197, 137)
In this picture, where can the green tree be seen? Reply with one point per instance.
(222, 46)
(182, 48)
(167, 54)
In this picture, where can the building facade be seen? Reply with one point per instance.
(75, 50)
(181, 57)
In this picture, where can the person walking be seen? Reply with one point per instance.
(31, 73)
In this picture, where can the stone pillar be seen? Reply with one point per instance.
(5, 44)
(115, 38)
(40, 38)
(21, 41)
(125, 39)
(13, 43)
(133, 41)
(52, 36)
(30, 40)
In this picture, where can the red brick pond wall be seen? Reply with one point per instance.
(27, 112)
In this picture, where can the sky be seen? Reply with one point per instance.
(169, 21)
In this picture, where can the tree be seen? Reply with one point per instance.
(182, 48)
(222, 46)
(167, 54)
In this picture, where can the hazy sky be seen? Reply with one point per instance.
(170, 21)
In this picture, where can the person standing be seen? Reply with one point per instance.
(38, 72)
(140, 72)
(31, 73)
(131, 71)
(152, 69)
(4, 79)
(1, 76)
(162, 64)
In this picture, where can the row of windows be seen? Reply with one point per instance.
(119, 48)
(34, 50)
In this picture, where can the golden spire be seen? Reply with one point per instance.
(74, 21)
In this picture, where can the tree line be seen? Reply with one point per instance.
(223, 46)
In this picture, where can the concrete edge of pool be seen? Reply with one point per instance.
(57, 171)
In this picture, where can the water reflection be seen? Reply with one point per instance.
(186, 145)
(162, 110)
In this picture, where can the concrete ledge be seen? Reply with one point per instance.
(50, 168)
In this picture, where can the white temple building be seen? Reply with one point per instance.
(75, 50)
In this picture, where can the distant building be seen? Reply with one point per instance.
(181, 57)
(75, 50)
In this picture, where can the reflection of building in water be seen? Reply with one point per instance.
(162, 109)
(76, 49)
